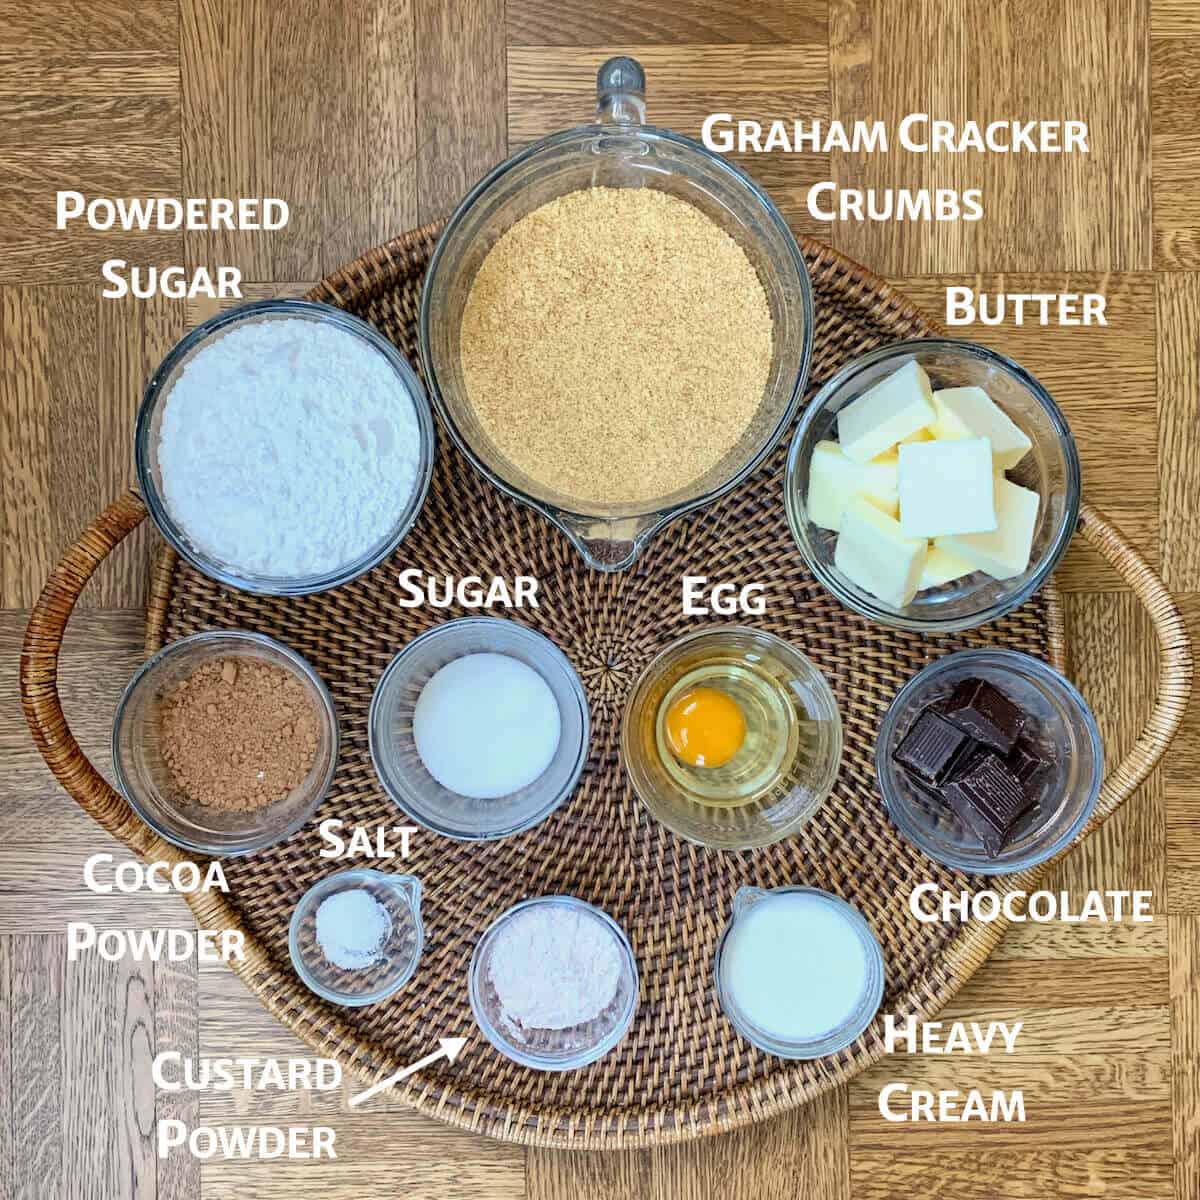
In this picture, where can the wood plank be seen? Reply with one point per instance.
(177, 1028)
(1062, 982)
(581, 23)
(1185, 1059)
(1059, 941)
(25, 547)
(91, 103)
(1174, 75)
(1179, 428)
(225, 79)
(8, 1186)
(460, 120)
(35, 252)
(107, 1041)
(1079, 367)
(317, 105)
(1013, 1175)
(1079, 1065)
(101, 73)
(102, 26)
(369, 174)
(35, 996)
(1174, 18)
(1085, 61)
(1115, 665)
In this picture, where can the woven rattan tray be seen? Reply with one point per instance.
(681, 1071)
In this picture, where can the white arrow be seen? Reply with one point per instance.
(448, 1048)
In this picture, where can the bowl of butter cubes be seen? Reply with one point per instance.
(932, 485)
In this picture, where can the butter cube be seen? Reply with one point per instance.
(947, 487)
(873, 553)
(1005, 551)
(942, 567)
(893, 409)
(969, 412)
(834, 480)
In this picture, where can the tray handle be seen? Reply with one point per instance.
(1174, 659)
(71, 767)
(39, 673)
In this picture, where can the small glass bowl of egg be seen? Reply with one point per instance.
(479, 728)
(732, 738)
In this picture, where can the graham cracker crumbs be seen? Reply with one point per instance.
(616, 344)
(238, 733)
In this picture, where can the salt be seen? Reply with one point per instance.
(795, 966)
(352, 927)
(288, 447)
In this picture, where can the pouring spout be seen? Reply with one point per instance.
(608, 544)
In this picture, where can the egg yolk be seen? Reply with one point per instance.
(705, 727)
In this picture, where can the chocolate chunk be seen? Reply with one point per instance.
(931, 747)
(987, 797)
(1028, 764)
(986, 713)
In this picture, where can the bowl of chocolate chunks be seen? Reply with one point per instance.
(989, 761)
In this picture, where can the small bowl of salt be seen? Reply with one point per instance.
(356, 936)
(284, 447)
(554, 984)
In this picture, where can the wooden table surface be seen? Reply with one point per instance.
(371, 116)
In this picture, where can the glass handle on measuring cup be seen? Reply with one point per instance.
(621, 92)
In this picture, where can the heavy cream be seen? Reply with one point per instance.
(795, 966)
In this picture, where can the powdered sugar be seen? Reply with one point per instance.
(553, 967)
(288, 447)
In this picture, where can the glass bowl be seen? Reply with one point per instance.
(835, 1039)
(146, 781)
(1067, 793)
(620, 150)
(1051, 468)
(794, 785)
(394, 752)
(149, 423)
(397, 957)
(553, 1049)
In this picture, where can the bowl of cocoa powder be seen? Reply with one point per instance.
(225, 742)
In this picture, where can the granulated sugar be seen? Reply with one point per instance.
(288, 448)
(616, 344)
(553, 968)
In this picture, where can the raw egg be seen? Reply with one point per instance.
(705, 727)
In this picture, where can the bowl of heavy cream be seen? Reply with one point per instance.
(284, 447)
(798, 971)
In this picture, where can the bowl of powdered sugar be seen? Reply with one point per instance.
(554, 984)
(284, 447)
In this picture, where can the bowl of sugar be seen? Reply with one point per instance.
(284, 447)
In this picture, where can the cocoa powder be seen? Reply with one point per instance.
(238, 733)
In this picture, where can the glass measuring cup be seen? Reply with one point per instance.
(619, 150)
